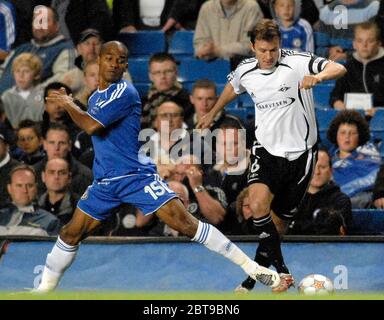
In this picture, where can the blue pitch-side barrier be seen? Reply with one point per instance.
(187, 266)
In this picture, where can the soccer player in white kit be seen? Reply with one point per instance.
(284, 151)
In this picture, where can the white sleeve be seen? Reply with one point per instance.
(234, 80)
(308, 63)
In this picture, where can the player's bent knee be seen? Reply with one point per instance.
(259, 209)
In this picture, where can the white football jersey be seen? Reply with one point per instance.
(285, 123)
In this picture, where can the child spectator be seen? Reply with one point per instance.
(90, 82)
(296, 33)
(25, 99)
(355, 161)
(29, 142)
(54, 50)
(55, 114)
(365, 68)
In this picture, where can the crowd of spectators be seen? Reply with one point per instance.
(46, 160)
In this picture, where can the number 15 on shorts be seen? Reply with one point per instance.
(157, 188)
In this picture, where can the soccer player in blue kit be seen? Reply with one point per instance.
(122, 175)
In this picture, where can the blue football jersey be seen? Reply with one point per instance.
(298, 37)
(118, 110)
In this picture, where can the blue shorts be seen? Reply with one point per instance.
(147, 192)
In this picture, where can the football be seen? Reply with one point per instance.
(315, 284)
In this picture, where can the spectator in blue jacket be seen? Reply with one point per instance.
(7, 28)
(355, 161)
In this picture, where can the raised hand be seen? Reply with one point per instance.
(309, 82)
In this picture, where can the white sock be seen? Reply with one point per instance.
(214, 240)
(58, 260)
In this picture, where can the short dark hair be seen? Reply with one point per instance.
(161, 57)
(328, 222)
(325, 150)
(28, 123)
(266, 30)
(56, 86)
(21, 167)
(349, 117)
(231, 122)
(203, 84)
(58, 127)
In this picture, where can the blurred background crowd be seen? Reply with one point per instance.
(180, 53)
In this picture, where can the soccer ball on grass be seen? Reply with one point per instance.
(315, 284)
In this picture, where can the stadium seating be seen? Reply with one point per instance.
(324, 118)
(376, 125)
(181, 44)
(138, 69)
(143, 44)
(346, 44)
(367, 221)
(142, 88)
(321, 94)
(191, 70)
(322, 42)
(321, 39)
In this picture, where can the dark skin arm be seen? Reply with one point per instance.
(80, 117)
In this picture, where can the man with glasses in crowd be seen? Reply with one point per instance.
(165, 87)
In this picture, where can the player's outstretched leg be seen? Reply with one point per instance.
(64, 251)
(174, 214)
(262, 259)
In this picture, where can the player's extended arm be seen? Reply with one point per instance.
(80, 117)
(332, 71)
(226, 97)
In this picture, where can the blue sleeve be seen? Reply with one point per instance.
(118, 108)
(3, 36)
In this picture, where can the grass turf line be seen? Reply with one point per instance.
(190, 295)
